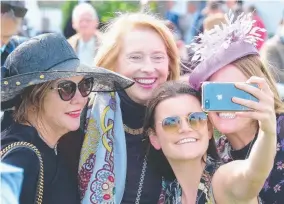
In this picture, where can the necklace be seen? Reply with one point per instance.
(44, 140)
(132, 131)
(144, 166)
(141, 182)
(52, 147)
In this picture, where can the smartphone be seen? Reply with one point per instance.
(217, 96)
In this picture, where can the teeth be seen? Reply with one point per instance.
(186, 140)
(145, 81)
(227, 115)
(73, 113)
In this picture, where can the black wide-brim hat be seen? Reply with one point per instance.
(49, 57)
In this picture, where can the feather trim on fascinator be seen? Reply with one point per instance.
(223, 45)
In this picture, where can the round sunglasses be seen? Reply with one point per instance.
(67, 89)
(18, 11)
(195, 120)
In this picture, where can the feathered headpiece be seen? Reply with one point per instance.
(222, 45)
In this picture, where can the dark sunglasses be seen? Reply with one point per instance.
(19, 12)
(195, 120)
(67, 89)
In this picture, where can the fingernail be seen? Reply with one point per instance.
(238, 84)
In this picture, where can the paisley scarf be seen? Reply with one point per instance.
(102, 168)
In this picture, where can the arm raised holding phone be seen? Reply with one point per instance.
(246, 177)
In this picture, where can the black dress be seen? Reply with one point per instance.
(59, 186)
(133, 117)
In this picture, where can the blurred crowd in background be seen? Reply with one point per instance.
(83, 24)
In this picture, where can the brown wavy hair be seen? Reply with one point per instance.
(251, 65)
(31, 99)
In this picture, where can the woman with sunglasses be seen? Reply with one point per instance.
(185, 136)
(114, 167)
(47, 89)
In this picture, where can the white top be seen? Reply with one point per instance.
(86, 51)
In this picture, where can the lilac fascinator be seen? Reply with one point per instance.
(223, 45)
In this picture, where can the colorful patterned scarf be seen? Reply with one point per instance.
(102, 167)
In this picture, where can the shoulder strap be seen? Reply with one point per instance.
(4, 152)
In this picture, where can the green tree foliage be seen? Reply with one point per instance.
(107, 9)
(67, 8)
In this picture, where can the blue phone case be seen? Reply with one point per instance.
(218, 96)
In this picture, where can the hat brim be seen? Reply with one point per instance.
(104, 80)
(208, 67)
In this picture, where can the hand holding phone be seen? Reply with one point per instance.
(217, 96)
(264, 109)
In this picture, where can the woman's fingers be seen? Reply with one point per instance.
(261, 91)
(263, 110)
(253, 105)
(262, 84)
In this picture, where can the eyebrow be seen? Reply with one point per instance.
(159, 52)
(134, 52)
(140, 52)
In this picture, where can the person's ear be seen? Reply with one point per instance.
(74, 24)
(154, 139)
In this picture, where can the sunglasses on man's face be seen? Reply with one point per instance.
(67, 89)
(195, 120)
(18, 11)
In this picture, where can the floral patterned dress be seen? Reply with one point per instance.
(272, 191)
(204, 195)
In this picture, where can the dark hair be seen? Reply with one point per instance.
(240, 2)
(252, 9)
(168, 90)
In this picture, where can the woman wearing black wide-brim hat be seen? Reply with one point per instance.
(47, 89)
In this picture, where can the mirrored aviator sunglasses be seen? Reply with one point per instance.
(19, 12)
(67, 89)
(195, 120)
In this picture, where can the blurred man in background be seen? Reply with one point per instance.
(87, 40)
(171, 15)
(236, 6)
(213, 7)
(12, 14)
(187, 21)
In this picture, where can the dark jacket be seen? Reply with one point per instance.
(11, 45)
(6, 119)
(60, 184)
